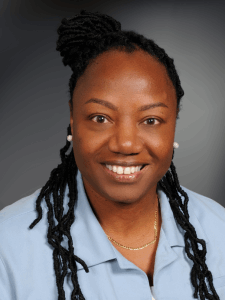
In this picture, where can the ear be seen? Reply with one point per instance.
(71, 117)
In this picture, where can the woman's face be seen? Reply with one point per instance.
(112, 123)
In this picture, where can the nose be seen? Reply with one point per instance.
(125, 139)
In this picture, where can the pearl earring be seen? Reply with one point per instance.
(175, 145)
(69, 138)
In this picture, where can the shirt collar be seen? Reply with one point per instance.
(91, 243)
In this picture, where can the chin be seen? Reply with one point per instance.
(122, 196)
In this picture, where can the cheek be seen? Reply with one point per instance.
(90, 140)
(159, 142)
(84, 149)
(160, 148)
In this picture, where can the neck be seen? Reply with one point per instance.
(125, 220)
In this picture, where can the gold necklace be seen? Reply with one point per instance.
(139, 248)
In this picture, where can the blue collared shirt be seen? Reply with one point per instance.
(26, 261)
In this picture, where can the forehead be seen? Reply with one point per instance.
(115, 72)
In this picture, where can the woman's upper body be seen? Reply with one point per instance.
(27, 268)
(120, 82)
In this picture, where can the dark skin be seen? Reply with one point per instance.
(125, 210)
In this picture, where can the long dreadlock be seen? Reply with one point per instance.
(81, 39)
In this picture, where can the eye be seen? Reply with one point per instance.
(99, 119)
(148, 123)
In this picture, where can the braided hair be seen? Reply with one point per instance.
(81, 39)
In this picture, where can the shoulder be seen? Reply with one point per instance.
(15, 234)
(205, 207)
(209, 217)
(20, 207)
(16, 218)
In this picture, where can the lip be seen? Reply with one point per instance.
(125, 177)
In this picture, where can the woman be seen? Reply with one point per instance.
(115, 219)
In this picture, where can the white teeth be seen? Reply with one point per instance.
(119, 170)
(114, 169)
(127, 170)
(124, 170)
(133, 169)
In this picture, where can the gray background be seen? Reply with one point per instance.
(34, 111)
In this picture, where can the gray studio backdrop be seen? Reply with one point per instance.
(34, 111)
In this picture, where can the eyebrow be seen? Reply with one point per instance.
(115, 108)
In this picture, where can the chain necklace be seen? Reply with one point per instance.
(139, 248)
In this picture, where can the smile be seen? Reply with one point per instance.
(124, 170)
(125, 174)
